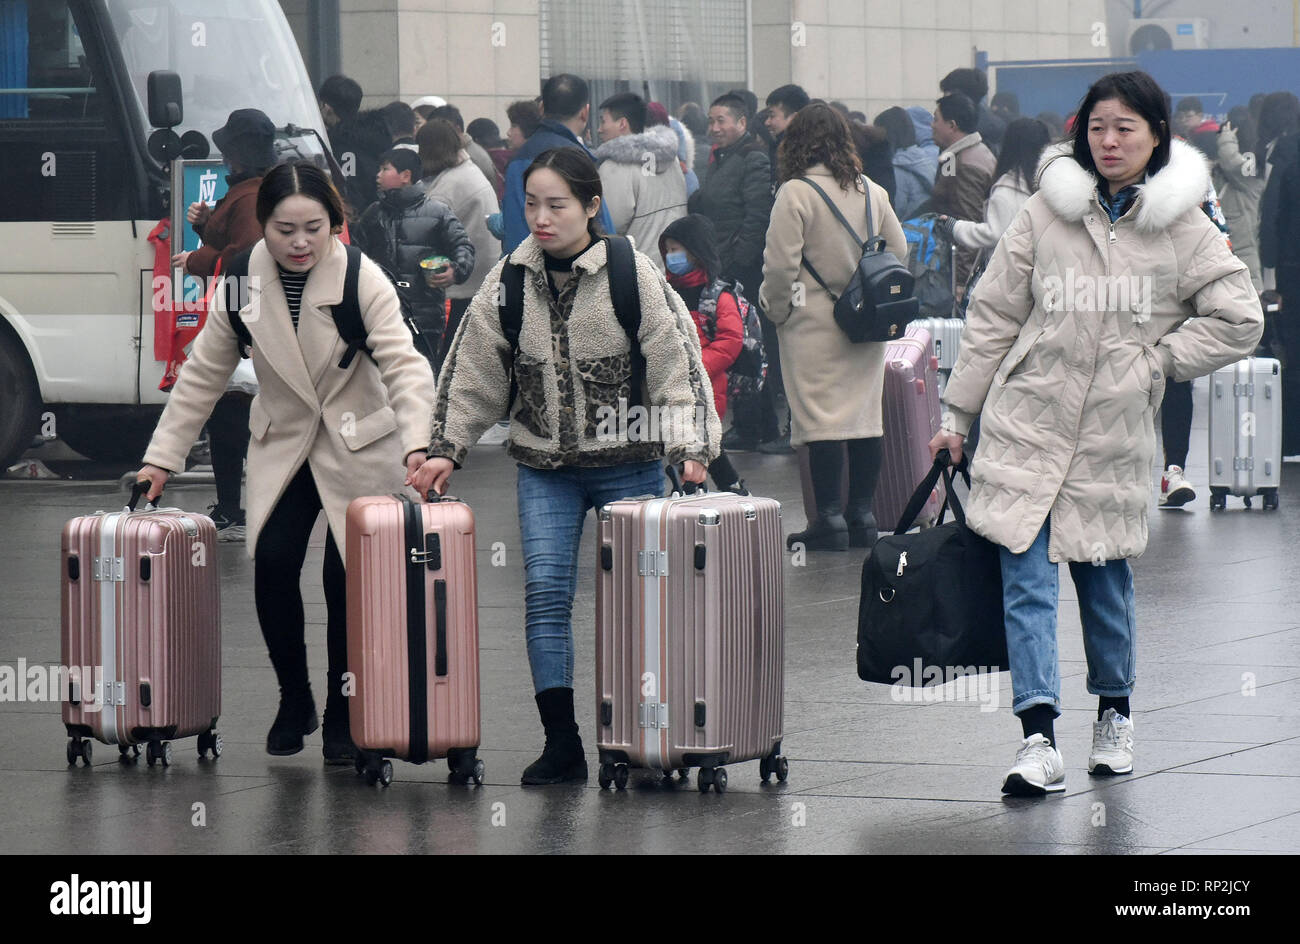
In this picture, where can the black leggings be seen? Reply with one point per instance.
(1176, 422)
(228, 440)
(277, 570)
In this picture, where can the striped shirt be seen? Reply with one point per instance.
(293, 283)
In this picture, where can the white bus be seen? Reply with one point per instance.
(79, 194)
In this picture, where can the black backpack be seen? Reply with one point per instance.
(346, 314)
(623, 291)
(877, 304)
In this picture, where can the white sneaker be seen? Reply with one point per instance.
(1112, 745)
(1175, 491)
(1039, 769)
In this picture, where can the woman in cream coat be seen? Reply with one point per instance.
(321, 435)
(833, 385)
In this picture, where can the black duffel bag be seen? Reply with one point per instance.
(877, 304)
(934, 596)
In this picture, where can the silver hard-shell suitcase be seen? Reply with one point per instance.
(1246, 432)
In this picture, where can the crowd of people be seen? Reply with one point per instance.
(747, 222)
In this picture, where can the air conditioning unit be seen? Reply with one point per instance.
(1169, 33)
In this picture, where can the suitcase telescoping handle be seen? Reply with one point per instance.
(689, 488)
(138, 491)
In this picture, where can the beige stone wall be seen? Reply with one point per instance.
(480, 55)
(872, 54)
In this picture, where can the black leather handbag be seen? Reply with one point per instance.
(933, 596)
(877, 304)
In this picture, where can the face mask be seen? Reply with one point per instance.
(677, 263)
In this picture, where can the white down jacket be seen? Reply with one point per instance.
(1068, 341)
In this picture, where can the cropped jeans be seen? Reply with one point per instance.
(1030, 596)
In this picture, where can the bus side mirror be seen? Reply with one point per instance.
(166, 108)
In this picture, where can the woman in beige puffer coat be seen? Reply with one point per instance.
(1086, 306)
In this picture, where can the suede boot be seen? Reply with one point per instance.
(829, 532)
(562, 759)
(295, 719)
(864, 473)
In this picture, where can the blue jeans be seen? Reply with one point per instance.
(553, 504)
(1030, 594)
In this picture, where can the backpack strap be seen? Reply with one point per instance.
(510, 309)
(347, 313)
(625, 293)
(864, 245)
(234, 276)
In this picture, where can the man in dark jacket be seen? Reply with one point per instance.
(736, 195)
(965, 174)
(566, 106)
(405, 226)
(356, 137)
(782, 105)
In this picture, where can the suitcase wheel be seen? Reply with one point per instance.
(715, 777)
(465, 766)
(1218, 499)
(1270, 500)
(210, 741)
(774, 764)
(379, 771)
(615, 774)
(80, 747)
(128, 755)
(156, 751)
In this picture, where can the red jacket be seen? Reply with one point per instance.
(721, 352)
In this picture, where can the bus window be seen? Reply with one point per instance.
(61, 158)
(44, 75)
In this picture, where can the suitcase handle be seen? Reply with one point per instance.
(678, 488)
(137, 492)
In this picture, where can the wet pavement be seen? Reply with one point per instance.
(1216, 709)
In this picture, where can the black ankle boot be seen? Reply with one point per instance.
(828, 531)
(295, 719)
(862, 531)
(864, 471)
(337, 732)
(562, 759)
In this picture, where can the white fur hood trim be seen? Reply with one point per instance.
(659, 141)
(1179, 186)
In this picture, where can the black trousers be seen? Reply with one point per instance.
(277, 574)
(1176, 422)
(228, 439)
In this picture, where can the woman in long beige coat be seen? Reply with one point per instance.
(833, 385)
(321, 435)
(1086, 306)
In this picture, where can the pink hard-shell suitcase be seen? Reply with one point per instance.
(141, 614)
(911, 413)
(690, 626)
(413, 635)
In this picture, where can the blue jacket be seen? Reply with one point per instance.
(549, 134)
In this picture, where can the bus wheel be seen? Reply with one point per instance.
(112, 435)
(21, 398)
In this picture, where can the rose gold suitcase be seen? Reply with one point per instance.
(413, 635)
(141, 614)
(910, 409)
(690, 623)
